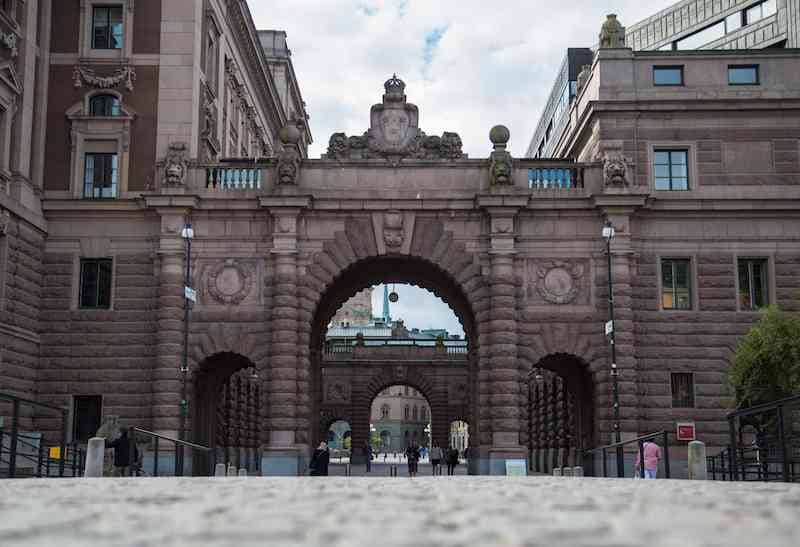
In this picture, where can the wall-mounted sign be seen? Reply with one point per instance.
(516, 468)
(685, 431)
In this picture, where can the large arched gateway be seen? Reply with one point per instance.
(281, 244)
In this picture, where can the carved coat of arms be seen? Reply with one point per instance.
(559, 282)
(393, 234)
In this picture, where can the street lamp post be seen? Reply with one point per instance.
(187, 233)
(608, 235)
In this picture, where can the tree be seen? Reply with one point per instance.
(766, 366)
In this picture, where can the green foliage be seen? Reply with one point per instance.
(766, 366)
(348, 443)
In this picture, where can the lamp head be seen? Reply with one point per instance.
(254, 374)
(187, 232)
(608, 230)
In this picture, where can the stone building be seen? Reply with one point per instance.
(400, 415)
(693, 157)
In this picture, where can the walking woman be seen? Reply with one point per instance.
(320, 460)
(412, 454)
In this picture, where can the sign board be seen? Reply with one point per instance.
(516, 468)
(190, 294)
(55, 452)
(685, 431)
(609, 327)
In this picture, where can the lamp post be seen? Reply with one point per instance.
(608, 235)
(187, 233)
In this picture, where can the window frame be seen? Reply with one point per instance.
(116, 105)
(84, 261)
(114, 170)
(693, 391)
(768, 282)
(111, 35)
(86, 30)
(755, 67)
(690, 280)
(679, 68)
(74, 414)
(670, 151)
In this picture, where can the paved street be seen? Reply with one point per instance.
(380, 469)
(338, 511)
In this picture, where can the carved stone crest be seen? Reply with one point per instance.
(400, 372)
(614, 170)
(500, 161)
(583, 77)
(394, 133)
(176, 164)
(559, 282)
(9, 40)
(230, 282)
(393, 233)
(337, 392)
(612, 33)
(126, 75)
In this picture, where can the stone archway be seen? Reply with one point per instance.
(226, 407)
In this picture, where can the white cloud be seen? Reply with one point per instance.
(418, 308)
(490, 62)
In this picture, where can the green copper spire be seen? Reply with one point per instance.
(387, 318)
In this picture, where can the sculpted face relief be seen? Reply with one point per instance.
(394, 125)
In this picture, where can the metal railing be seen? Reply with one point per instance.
(658, 435)
(12, 455)
(773, 454)
(156, 439)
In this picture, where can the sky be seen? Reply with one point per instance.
(467, 64)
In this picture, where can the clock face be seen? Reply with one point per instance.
(393, 297)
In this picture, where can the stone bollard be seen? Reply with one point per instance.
(566, 471)
(95, 455)
(231, 471)
(242, 472)
(577, 471)
(556, 471)
(698, 467)
(219, 470)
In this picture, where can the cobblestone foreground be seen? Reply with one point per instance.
(440, 511)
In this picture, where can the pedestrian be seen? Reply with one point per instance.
(368, 453)
(320, 460)
(122, 454)
(412, 453)
(452, 460)
(436, 459)
(652, 455)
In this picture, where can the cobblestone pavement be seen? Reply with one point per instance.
(380, 469)
(384, 512)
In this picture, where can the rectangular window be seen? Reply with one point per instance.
(743, 75)
(753, 286)
(759, 11)
(107, 27)
(668, 75)
(671, 169)
(95, 290)
(87, 412)
(676, 286)
(733, 22)
(100, 177)
(682, 389)
(703, 37)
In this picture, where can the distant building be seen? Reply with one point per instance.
(400, 415)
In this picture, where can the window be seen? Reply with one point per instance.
(702, 37)
(104, 105)
(671, 169)
(753, 287)
(100, 176)
(416, 413)
(668, 75)
(743, 75)
(682, 389)
(406, 412)
(385, 412)
(86, 416)
(676, 289)
(107, 27)
(759, 11)
(733, 22)
(95, 290)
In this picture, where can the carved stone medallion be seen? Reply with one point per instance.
(230, 282)
(337, 392)
(559, 282)
(393, 233)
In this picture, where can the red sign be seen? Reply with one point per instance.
(686, 431)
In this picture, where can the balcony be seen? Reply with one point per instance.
(349, 349)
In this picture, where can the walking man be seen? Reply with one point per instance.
(652, 455)
(436, 459)
(412, 454)
(368, 454)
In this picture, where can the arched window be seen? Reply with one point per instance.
(385, 411)
(416, 413)
(104, 105)
(406, 411)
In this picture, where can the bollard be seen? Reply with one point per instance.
(566, 471)
(231, 471)
(219, 470)
(347, 470)
(698, 466)
(556, 471)
(95, 456)
(577, 471)
(242, 472)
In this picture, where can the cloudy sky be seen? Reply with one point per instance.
(468, 64)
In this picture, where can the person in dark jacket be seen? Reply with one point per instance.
(412, 453)
(319, 461)
(122, 453)
(452, 460)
